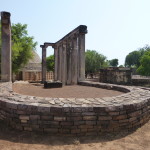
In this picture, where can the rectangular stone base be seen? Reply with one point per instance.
(52, 84)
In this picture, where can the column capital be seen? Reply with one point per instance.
(5, 14)
(82, 29)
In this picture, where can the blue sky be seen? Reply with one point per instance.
(115, 27)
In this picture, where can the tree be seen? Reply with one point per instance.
(133, 58)
(22, 46)
(50, 63)
(113, 62)
(144, 68)
(94, 61)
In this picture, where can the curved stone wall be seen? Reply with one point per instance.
(70, 116)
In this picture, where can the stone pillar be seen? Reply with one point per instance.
(74, 61)
(60, 63)
(6, 65)
(64, 65)
(56, 63)
(43, 63)
(81, 55)
(69, 64)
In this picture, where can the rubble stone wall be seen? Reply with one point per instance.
(76, 116)
(115, 75)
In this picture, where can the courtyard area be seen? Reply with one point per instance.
(74, 91)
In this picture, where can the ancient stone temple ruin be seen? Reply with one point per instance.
(6, 47)
(69, 53)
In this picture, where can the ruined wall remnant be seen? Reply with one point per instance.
(115, 75)
(69, 55)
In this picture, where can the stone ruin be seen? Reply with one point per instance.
(70, 116)
(69, 53)
(116, 75)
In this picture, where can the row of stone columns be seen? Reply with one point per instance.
(70, 60)
(6, 65)
(69, 54)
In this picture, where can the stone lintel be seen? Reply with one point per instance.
(46, 44)
(82, 29)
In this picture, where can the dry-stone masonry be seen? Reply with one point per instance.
(76, 116)
(69, 55)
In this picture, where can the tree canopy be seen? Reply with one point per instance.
(113, 62)
(144, 68)
(139, 59)
(50, 63)
(22, 46)
(94, 61)
(133, 58)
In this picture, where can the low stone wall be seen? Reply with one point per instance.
(76, 116)
(141, 82)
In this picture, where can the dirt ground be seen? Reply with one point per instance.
(16, 140)
(74, 91)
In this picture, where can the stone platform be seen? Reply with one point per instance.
(76, 116)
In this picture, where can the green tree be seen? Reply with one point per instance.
(94, 61)
(133, 58)
(144, 68)
(22, 46)
(113, 62)
(50, 63)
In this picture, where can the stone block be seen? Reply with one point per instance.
(27, 128)
(115, 113)
(120, 117)
(85, 126)
(34, 117)
(44, 117)
(52, 84)
(79, 122)
(66, 123)
(74, 118)
(89, 117)
(90, 122)
(22, 117)
(74, 131)
(59, 118)
(51, 130)
(134, 114)
(24, 121)
(104, 118)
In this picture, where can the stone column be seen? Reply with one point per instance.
(64, 65)
(6, 65)
(60, 63)
(43, 63)
(74, 61)
(56, 63)
(69, 64)
(81, 55)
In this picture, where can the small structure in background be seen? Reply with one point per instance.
(32, 72)
(115, 75)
